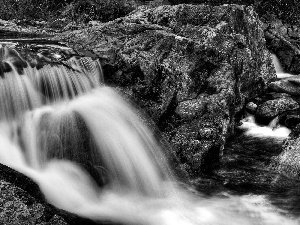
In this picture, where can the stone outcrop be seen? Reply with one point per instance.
(191, 67)
(273, 108)
(22, 202)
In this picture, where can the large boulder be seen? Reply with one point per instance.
(272, 108)
(191, 67)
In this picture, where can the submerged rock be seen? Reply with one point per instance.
(191, 67)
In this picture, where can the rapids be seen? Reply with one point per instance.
(91, 153)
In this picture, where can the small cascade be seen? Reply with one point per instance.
(278, 68)
(24, 87)
(58, 83)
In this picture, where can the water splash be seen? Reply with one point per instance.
(98, 129)
(251, 128)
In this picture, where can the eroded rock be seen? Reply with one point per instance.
(272, 108)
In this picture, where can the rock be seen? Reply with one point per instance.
(288, 161)
(21, 202)
(289, 85)
(191, 67)
(290, 119)
(251, 107)
(273, 108)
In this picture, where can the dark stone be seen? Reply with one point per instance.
(290, 119)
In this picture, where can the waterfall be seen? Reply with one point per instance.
(278, 68)
(91, 154)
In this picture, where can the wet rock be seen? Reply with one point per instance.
(289, 85)
(22, 202)
(191, 67)
(272, 108)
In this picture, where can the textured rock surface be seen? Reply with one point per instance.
(272, 108)
(191, 67)
(21, 202)
(289, 85)
(288, 161)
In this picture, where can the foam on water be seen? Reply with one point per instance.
(251, 128)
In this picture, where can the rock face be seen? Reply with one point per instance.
(191, 67)
(22, 202)
(272, 108)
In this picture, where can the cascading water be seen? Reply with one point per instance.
(278, 68)
(93, 156)
(251, 128)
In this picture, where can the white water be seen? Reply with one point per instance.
(251, 128)
(278, 68)
(54, 145)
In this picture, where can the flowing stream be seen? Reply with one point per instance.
(91, 154)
